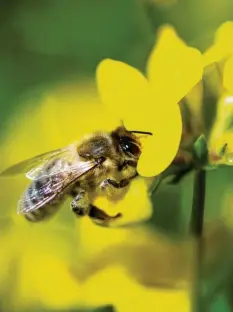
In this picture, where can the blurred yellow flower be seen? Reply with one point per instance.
(127, 295)
(228, 75)
(222, 47)
(193, 122)
(208, 107)
(221, 137)
(145, 266)
(150, 104)
(35, 260)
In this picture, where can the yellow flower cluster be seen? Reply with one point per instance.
(151, 103)
(44, 255)
(216, 86)
(221, 54)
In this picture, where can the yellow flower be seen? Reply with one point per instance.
(220, 55)
(150, 104)
(136, 263)
(35, 262)
(209, 103)
(128, 295)
(228, 75)
(221, 137)
(222, 47)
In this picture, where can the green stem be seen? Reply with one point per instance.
(196, 229)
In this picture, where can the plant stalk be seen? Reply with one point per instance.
(196, 230)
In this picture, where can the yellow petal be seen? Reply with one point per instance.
(193, 100)
(123, 89)
(161, 148)
(137, 294)
(223, 46)
(173, 68)
(222, 133)
(225, 110)
(147, 117)
(228, 75)
(213, 77)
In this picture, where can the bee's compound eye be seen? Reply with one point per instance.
(129, 147)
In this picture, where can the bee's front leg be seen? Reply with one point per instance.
(113, 183)
(130, 163)
(80, 204)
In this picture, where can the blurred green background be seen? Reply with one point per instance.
(49, 41)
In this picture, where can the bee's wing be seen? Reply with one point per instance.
(46, 189)
(33, 201)
(32, 167)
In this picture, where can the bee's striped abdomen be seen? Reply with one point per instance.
(41, 213)
(41, 198)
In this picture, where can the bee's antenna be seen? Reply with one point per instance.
(142, 132)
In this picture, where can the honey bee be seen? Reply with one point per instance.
(83, 170)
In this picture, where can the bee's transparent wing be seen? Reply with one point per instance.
(43, 190)
(36, 166)
(33, 201)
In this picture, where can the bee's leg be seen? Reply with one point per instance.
(100, 217)
(80, 204)
(115, 184)
(130, 163)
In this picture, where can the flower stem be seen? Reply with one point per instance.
(196, 229)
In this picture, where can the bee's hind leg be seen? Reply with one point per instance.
(80, 204)
(100, 217)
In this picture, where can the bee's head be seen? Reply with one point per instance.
(127, 142)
